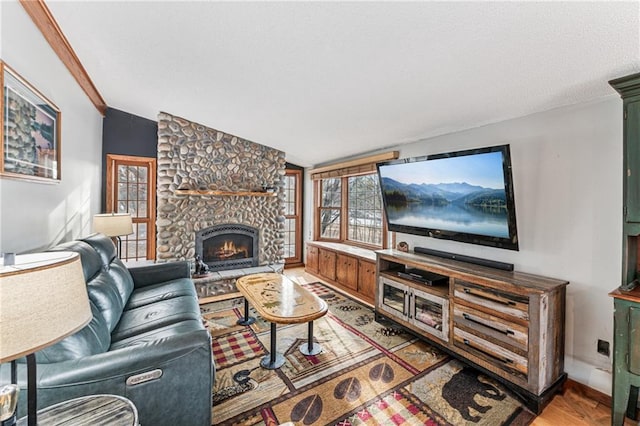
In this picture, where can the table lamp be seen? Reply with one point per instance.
(51, 282)
(113, 225)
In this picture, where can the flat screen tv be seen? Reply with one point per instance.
(463, 196)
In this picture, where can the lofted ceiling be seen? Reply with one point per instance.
(328, 80)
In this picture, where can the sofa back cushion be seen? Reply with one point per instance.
(109, 283)
(93, 339)
(91, 261)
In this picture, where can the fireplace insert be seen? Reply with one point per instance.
(228, 246)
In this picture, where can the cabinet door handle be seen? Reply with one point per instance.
(496, 299)
(405, 306)
(504, 360)
(505, 331)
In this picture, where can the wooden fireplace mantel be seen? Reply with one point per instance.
(217, 193)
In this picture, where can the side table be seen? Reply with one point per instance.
(95, 410)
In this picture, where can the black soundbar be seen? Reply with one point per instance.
(463, 258)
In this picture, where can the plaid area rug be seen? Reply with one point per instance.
(367, 374)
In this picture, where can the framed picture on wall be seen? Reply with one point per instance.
(30, 131)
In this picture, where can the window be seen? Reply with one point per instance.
(350, 210)
(365, 210)
(131, 189)
(330, 208)
(348, 203)
(293, 217)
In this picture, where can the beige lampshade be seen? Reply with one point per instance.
(113, 224)
(43, 299)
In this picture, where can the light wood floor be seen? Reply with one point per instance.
(571, 407)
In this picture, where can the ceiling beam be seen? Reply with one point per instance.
(44, 20)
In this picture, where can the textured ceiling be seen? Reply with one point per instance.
(323, 81)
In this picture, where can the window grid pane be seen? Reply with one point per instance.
(289, 195)
(330, 223)
(132, 198)
(134, 246)
(365, 212)
(289, 238)
(331, 192)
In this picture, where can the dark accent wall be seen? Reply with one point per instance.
(126, 134)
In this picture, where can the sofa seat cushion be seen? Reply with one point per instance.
(160, 333)
(146, 318)
(162, 291)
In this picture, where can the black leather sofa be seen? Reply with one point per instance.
(146, 341)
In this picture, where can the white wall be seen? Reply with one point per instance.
(567, 169)
(36, 215)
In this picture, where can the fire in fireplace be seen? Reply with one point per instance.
(228, 246)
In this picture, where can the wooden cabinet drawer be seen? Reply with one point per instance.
(509, 304)
(494, 328)
(491, 352)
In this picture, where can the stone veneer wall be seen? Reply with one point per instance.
(192, 156)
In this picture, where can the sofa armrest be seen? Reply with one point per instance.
(183, 387)
(159, 272)
(121, 362)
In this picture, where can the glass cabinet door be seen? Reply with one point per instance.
(393, 298)
(430, 313)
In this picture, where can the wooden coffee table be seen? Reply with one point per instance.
(280, 301)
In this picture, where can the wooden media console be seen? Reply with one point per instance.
(508, 324)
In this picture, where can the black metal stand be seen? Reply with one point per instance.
(247, 320)
(32, 391)
(310, 348)
(274, 359)
(119, 247)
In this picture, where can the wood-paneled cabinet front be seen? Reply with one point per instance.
(312, 264)
(328, 264)
(345, 267)
(347, 271)
(626, 341)
(367, 279)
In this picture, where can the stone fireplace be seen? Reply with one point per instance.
(209, 179)
(228, 246)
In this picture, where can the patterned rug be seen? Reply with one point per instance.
(367, 374)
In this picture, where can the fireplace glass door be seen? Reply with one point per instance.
(227, 247)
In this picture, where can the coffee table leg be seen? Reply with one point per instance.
(247, 320)
(310, 348)
(274, 359)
